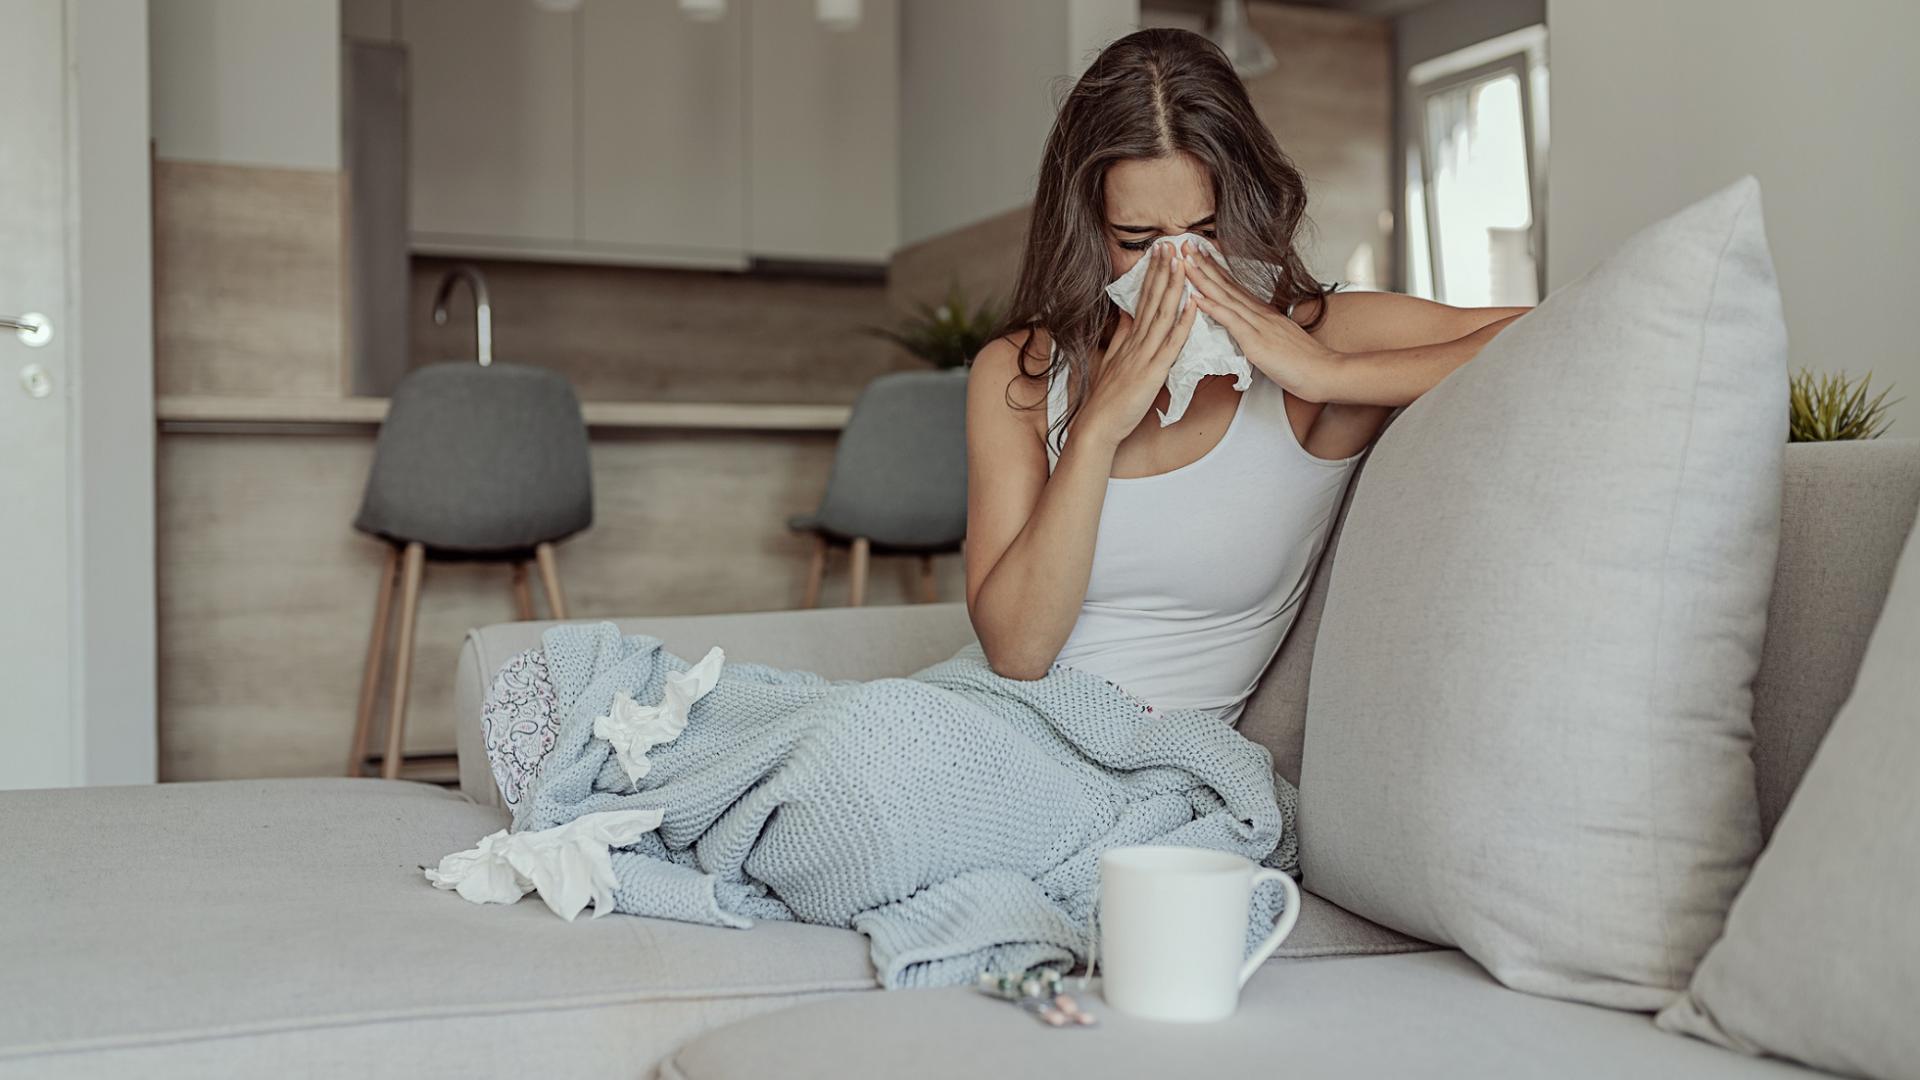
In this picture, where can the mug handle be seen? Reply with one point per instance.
(1281, 928)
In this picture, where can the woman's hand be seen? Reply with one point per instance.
(1271, 340)
(1143, 349)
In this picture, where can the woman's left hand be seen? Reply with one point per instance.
(1271, 341)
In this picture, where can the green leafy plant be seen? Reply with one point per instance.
(1825, 408)
(947, 335)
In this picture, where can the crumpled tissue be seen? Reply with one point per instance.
(633, 729)
(570, 864)
(1209, 350)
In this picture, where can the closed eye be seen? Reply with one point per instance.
(1142, 245)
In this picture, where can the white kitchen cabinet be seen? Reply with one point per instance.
(823, 116)
(662, 128)
(491, 124)
(624, 131)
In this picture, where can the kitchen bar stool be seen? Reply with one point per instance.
(474, 463)
(899, 480)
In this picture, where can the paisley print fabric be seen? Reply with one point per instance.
(520, 719)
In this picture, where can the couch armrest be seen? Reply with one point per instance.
(839, 643)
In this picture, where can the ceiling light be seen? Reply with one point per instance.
(1237, 38)
(838, 14)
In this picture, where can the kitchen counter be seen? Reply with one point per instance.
(267, 592)
(218, 413)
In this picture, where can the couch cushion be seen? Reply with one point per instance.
(839, 643)
(1821, 958)
(231, 927)
(1327, 929)
(1844, 514)
(1529, 727)
(1843, 508)
(1433, 1014)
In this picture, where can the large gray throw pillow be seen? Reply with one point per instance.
(1821, 958)
(1528, 722)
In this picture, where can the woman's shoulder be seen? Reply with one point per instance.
(1023, 354)
(1009, 375)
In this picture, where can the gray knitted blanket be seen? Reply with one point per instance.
(954, 816)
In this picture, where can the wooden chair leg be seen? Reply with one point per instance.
(376, 654)
(550, 579)
(522, 593)
(861, 551)
(412, 567)
(816, 572)
(929, 588)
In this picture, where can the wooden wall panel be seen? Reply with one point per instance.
(248, 273)
(627, 334)
(984, 258)
(267, 592)
(1329, 102)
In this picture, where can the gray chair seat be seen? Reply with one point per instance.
(473, 462)
(235, 928)
(899, 480)
(479, 462)
(899, 474)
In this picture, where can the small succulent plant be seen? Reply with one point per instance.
(947, 335)
(1826, 408)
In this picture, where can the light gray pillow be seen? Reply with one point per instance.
(1821, 957)
(1528, 722)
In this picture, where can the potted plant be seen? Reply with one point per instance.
(947, 335)
(1826, 408)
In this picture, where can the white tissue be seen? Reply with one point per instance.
(1209, 350)
(633, 729)
(570, 864)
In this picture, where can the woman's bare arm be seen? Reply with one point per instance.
(1029, 551)
(1030, 535)
(1389, 348)
(1371, 353)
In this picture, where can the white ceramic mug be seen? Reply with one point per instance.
(1172, 925)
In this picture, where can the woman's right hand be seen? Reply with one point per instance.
(1142, 351)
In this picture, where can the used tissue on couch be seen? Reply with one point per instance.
(570, 864)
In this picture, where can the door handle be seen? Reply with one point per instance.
(32, 328)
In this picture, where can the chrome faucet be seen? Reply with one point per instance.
(482, 308)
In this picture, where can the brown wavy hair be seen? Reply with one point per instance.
(1151, 94)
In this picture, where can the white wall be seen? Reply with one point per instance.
(1655, 104)
(111, 355)
(978, 83)
(245, 82)
(1092, 24)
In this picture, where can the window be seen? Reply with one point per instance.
(1476, 173)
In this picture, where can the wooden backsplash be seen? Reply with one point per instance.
(627, 334)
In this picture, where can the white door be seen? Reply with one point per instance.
(38, 732)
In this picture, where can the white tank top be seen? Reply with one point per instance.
(1198, 572)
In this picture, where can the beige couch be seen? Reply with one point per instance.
(284, 926)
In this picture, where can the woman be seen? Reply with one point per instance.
(1208, 544)
(956, 815)
(1170, 560)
